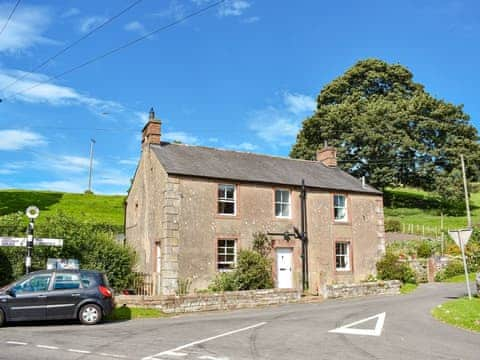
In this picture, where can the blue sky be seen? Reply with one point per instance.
(241, 76)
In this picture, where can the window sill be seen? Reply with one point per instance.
(226, 216)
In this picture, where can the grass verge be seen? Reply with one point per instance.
(460, 312)
(408, 288)
(130, 313)
(460, 278)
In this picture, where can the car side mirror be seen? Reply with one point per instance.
(11, 292)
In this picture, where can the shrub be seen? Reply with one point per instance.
(390, 268)
(393, 225)
(225, 281)
(184, 286)
(253, 271)
(453, 268)
(424, 249)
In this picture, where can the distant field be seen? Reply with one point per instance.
(104, 209)
(417, 207)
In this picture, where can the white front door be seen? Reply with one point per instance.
(284, 268)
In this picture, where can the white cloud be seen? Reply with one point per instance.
(5, 186)
(71, 163)
(246, 146)
(112, 178)
(71, 185)
(180, 136)
(299, 103)
(142, 117)
(279, 125)
(128, 162)
(20, 139)
(70, 12)
(136, 27)
(48, 92)
(25, 28)
(90, 23)
(251, 20)
(175, 10)
(233, 8)
(274, 125)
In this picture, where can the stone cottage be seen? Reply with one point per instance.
(191, 209)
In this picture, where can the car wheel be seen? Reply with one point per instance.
(2, 318)
(90, 314)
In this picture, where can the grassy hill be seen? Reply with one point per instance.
(101, 209)
(417, 207)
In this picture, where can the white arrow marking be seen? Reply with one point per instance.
(347, 329)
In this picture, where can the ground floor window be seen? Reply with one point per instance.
(342, 256)
(226, 254)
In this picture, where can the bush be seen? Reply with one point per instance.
(225, 281)
(424, 249)
(390, 268)
(453, 268)
(393, 225)
(253, 271)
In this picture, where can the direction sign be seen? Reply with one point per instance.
(460, 236)
(22, 242)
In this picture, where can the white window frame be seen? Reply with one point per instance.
(224, 252)
(227, 200)
(289, 203)
(346, 256)
(345, 207)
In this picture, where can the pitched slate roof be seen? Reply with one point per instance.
(207, 162)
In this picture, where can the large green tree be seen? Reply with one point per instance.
(388, 128)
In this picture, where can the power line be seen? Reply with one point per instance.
(9, 17)
(119, 48)
(71, 45)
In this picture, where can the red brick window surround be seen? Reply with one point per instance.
(226, 254)
(227, 199)
(343, 256)
(340, 210)
(283, 203)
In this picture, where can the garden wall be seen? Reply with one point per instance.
(391, 287)
(217, 301)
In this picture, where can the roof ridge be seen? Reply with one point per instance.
(240, 152)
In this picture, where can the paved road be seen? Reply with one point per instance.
(285, 332)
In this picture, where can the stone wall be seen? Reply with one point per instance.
(391, 287)
(206, 302)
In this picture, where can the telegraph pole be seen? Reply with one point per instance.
(90, 173)
(467, 203)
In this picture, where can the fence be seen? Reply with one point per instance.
(417, 229)
(145, 284)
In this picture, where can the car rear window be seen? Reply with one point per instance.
(66, 281)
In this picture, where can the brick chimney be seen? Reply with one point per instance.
(152, 130)
(328, 156)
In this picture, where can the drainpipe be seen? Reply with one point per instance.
(303, 236)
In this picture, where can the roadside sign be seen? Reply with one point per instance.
(22, 242)
(461, 236)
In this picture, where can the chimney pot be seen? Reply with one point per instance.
(328, 156)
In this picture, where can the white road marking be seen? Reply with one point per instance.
(206, 357)
(152, 357)
(47, 347)
(79, 351)
(347, 329)
(17, 343)
(173, 353)
(112, 355)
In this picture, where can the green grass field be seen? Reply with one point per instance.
(102, 209)
(460, 278)
(461, 313)
(417, 207)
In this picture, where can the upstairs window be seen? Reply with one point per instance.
(342, 256)
(282, 203)
(340, 207)
(226, 254)
(226, 199)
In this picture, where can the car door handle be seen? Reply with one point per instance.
(76, 294)
(41, 296)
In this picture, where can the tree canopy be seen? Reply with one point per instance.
(388, 128)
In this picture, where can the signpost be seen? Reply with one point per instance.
(32, 213)
(461, 238)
